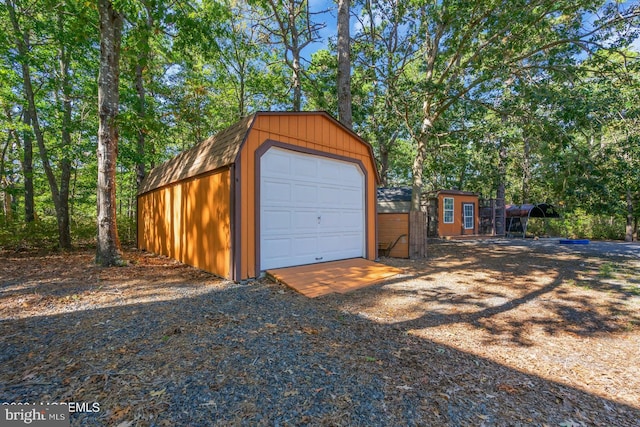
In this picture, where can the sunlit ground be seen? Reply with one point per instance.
(565, 317)
(45, 291)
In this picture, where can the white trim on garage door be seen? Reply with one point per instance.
(312, 209)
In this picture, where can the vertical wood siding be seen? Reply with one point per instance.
(314, 132)
(189, 221)
(390, 227)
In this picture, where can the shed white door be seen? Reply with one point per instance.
(312, 209)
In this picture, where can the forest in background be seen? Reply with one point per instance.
(533, 101)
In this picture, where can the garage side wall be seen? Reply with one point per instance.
(390, 227)
(190, 221)
(457, 228)
(313, 132)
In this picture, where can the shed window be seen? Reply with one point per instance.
(468, 215)
(448, 210)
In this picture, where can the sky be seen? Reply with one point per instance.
(330, 18)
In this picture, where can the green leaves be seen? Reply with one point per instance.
(462, 79)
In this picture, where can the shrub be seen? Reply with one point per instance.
(580, 225)
(43, 233)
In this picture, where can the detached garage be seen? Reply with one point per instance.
(277, 189)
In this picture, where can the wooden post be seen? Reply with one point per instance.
(417, 234)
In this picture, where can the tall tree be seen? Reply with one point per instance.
(60, 80)
(290, 24)
(23, 46)
(60, 193)
(468, 60)
(6, 173)
(383, 49)
(344, 63)
(143, 57)
(108, 243)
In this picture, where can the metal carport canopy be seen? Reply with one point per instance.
(540, 210)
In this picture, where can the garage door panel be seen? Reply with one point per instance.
(304, 221)
(344, 245)
(276, 221)
(277, 248)
(325, 201)
(304, 193)
(349, 174)
(305, 167)
(350, 197)
(326, 194)
(328, 170)
(305, 246)
(351, 220)
(277, 191)
(330, 219)
(278, 164)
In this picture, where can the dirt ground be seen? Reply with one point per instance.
(567, 314)
(491, 332)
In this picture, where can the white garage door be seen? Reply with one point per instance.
(311, 209)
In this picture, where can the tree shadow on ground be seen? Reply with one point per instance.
(259, 354)
(505, 281)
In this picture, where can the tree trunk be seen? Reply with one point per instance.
(344, 64)
(384, 164)
(241, 95)
(6, 206)
(297, 85)
(143, 62)
(295, 52)
(62, 211)
(526, 170)
(418, 161)
(500, 190)
(628, 235)
(140, 169)
(27, 169)
(417, 170)
(59, 195)
(5, 185)
(22, 45)
(417, 231)
(108, 245)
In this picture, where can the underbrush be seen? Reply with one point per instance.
(42, 234)
(579, 225)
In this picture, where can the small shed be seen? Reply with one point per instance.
(453, 213)
(276, 189)
(394, 205)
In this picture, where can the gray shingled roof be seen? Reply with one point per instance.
(213, 153)
(394, 194)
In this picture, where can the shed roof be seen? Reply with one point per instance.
(211, 154)
(218, 151)
(394, 194)
(455, 192)
(394, 200)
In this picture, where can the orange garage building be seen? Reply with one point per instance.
(276, 189)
